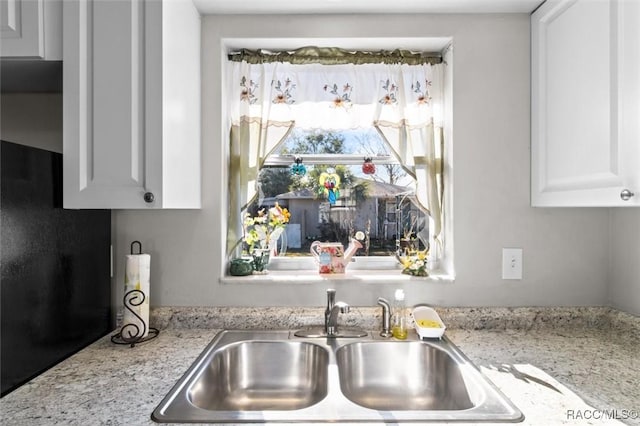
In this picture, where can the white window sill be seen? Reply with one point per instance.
(356, 276)
(364, 270)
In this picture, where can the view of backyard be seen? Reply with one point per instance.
(335, 189)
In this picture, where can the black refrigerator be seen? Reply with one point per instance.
(55, 291)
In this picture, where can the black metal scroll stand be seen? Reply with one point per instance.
(130, 334)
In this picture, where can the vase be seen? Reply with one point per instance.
(260, 260)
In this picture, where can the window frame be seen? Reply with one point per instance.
(445, 271)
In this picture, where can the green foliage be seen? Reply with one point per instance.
(347, 180)
(274, 181)
(314, 142)
(360, 190)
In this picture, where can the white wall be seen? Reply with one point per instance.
(33, 119)
(624, 276)
(566, 251)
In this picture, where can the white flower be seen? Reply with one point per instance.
(262, 232)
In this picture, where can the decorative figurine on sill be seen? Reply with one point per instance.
(331, 183)
(414, 262)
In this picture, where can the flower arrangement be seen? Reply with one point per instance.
(414, 263)
(265, 228)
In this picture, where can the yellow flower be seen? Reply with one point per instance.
(266, 227)
(405, 261)
(278, 215)
(415, 263)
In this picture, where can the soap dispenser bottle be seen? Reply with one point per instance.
(399, 320)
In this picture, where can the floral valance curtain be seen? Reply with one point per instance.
(267, 100)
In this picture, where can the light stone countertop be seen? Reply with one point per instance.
(557, 365)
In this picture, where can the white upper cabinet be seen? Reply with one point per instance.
(585, 140)
(31, 29)
(131, 104)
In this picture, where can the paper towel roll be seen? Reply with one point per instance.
(137, 275)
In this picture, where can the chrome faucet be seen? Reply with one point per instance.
(386, 317)
(331, 313)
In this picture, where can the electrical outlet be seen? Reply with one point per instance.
(511, 263)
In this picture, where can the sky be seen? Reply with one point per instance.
(368, 142)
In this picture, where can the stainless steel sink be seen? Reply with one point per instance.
(274, 376)
(257, 375)
(319, 332)
(401, 376)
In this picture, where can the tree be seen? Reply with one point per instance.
(347, 180)
(314, 142)
(318, 142)
(274, 181)
(371, 143)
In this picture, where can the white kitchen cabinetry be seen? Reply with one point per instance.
(31, 29)
(131, 104)
(585, 141)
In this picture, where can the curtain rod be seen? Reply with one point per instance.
(334, 56)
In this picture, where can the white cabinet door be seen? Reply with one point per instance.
(31, 29)
(131, 122)
(585, 95)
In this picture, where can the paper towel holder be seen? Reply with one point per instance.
(134, 298)
(139, 247)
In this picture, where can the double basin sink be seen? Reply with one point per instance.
(265, 376)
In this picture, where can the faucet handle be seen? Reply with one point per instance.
(344, 307)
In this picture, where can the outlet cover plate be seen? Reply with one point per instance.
(511, 263)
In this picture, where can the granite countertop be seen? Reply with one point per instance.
(557, 365)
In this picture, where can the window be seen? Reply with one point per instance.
(337, 122)
(374, 194)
